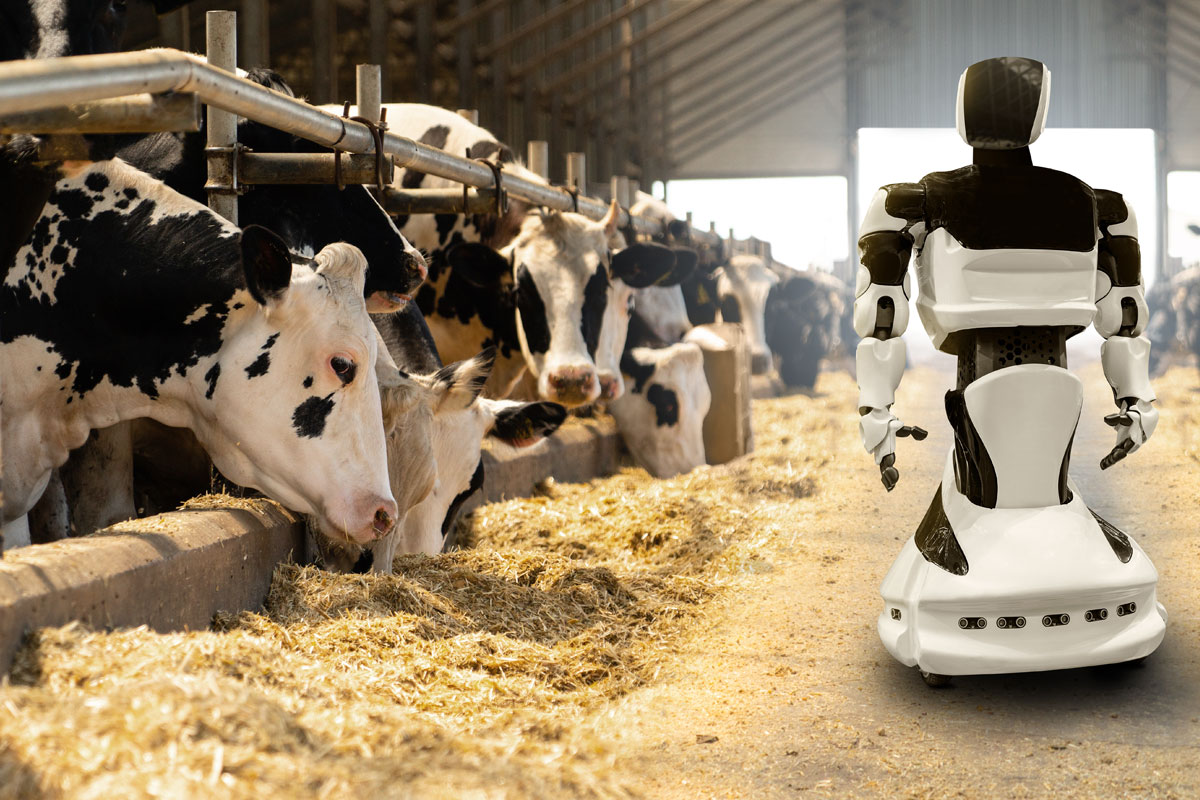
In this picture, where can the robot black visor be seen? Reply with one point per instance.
(1002, 103)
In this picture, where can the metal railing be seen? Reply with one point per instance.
(43, 85)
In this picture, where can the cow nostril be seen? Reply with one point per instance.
(383, 521)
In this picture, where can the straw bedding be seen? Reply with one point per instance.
(472, 674)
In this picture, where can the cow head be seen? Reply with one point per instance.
(294, 407)
(460, 421)
(661, 419)
(639, 266)
(558, 266)
(743, 285)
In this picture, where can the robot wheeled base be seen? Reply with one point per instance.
(1044, 589)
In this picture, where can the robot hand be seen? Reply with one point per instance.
(879, 431)
(1134, 423)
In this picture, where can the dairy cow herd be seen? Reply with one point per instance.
(143, 337)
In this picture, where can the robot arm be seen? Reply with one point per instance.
(893, 221)
(1121, 315)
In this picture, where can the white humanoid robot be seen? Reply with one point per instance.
(1009, 571)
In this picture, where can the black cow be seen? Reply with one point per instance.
(801, 319)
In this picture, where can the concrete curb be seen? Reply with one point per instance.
(171, 572)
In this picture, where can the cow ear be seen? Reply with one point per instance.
(459, 384)
(643, 264)
(525, 424)
(685, 265)
(478, 264)
(611, 218)
(266, 263)
(679, 229)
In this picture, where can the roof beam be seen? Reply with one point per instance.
(745, 118)
(660, 25)
(701, 58)
(764, 58)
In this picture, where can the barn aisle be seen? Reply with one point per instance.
(789, 692)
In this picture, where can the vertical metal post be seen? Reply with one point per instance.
(255, 35)
(577, 171)
(324, 30)
(175, 27)
(620, 190)
(424, 46)
(466, 57)
(539, 158)
(689, 219)
(379, 25)
(625, 115)
(368, 90)
(221, 49)
(500, 94)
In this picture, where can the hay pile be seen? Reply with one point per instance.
(473, 674)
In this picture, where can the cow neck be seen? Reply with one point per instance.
(149, 282)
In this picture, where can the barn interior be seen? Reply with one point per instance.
(596, 625)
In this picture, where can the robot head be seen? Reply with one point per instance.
(1002, 103)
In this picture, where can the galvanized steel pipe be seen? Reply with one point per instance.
(34, 85)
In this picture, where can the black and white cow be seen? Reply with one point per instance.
(742, 286)
(534, 284)
(130, 300)
(459, 421)
(661, 417)
(307, 217)
(663, 307)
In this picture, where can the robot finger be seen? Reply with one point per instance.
(888, 472)
(912, 430)
(1120, 419)
(1119, 452)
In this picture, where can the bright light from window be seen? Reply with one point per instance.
(804, 219)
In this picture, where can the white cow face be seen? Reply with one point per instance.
(664, 310)
(295, 408)
(461, 419)
(662, 418)
(743, 285)
(641, 267)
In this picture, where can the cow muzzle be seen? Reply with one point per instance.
(572, 386)
(367, 518)
(611, 387)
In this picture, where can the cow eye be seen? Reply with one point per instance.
(343, 367)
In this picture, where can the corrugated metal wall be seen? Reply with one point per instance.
(1104, 55)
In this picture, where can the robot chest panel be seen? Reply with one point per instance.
(1030, 208)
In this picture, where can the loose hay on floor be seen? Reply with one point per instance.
(468, 674)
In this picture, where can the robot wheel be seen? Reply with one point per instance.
(934, 680)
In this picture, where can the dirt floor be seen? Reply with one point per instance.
(711, 635)
(788, 692)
